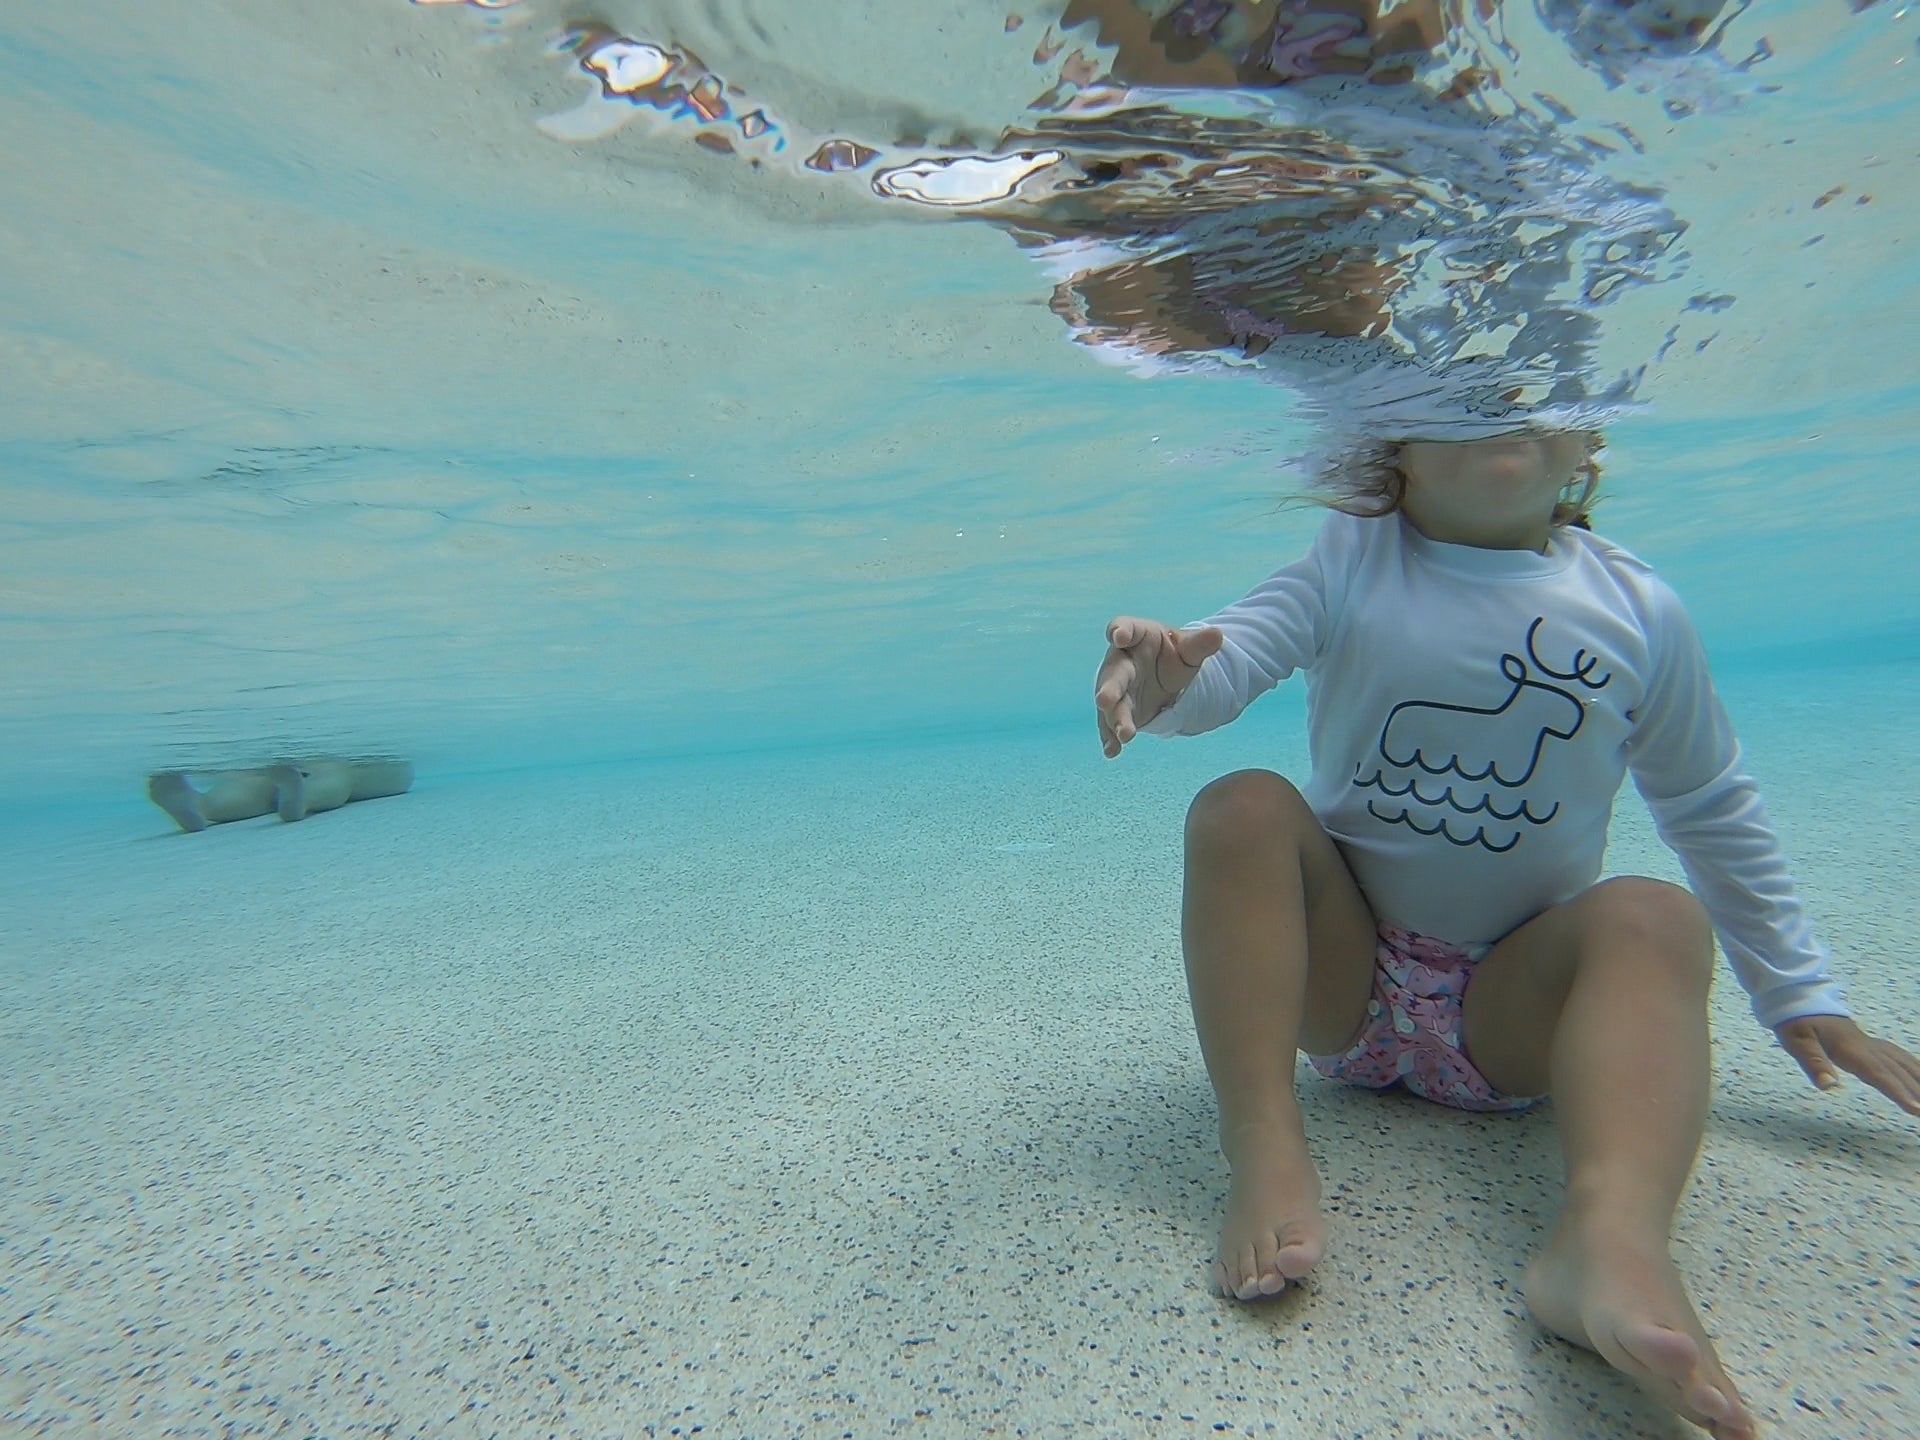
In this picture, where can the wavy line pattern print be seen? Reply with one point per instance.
(1499, 745)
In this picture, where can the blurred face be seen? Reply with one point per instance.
(1623, 29)
(1667, 22)
(1497, 493)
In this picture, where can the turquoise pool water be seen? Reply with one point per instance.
(350, 408)
(720, 1018)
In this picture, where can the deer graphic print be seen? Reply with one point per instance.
(1451, 770)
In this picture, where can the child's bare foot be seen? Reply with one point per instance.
(1619, 1295)
(1273, 1232)
(172, 792)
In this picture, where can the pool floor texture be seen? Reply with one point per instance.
(843, 1094)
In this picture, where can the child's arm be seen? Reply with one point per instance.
(1279, 627)
(1687, 765)
(1147, 666)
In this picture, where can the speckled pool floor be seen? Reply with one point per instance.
(838, 1095)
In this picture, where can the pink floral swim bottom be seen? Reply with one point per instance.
(1412, 1034)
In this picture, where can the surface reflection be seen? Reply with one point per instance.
(1344, 197)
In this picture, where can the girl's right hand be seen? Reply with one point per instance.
(1147, 666)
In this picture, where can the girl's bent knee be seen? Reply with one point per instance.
(1657, 917)
(1245, 806)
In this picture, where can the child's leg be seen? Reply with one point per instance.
(1279, 947)
(1603, 1002)
(237, 795)
(174, 793)
(229, 795)
(374, 779)
(309, 786)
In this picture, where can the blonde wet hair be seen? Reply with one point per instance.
(1365, 479)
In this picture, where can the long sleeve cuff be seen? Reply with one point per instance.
(1794, 1002)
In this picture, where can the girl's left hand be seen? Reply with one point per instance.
(1820, 1042)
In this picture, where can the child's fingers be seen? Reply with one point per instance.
(1811, 1056)
(1892, 1072)
(1194, 646)
(1115, 681)
(1903, 1088)
(1113, 707)
(1112, 738)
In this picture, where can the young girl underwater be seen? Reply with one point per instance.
(1482, 672)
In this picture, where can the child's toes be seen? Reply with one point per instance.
(1240, 1274)
(1224, 1282)
(1247, 1283)
(1252, 1274)
(1268, 1275)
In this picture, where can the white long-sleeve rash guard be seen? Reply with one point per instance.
(1470, 716)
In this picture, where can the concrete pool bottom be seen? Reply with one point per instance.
(841, 1093)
